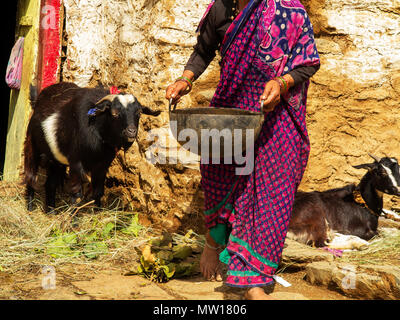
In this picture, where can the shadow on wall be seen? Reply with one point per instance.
(319, 21)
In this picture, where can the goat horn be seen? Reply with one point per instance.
(110, 98)
(377, 159)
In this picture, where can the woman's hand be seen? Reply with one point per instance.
(179, 88)
(176, 91)
(271, 95)
(273, 91)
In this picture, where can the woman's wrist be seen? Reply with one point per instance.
(187, 77)
(189, 74)
(285, 82)
(187, 81)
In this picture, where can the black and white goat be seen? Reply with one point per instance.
(82, 128)
(352, 210)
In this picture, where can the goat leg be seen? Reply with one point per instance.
(98, 179)
(50, 188)
(320, 233)
(30, 194)
(55, 178)
(76, 173)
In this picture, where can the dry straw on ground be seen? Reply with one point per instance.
(27, 240)
(384, 249)
(25, 237)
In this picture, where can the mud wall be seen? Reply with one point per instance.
(143, 45)
(354, 98)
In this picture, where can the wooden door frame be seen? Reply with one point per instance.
(50, 40)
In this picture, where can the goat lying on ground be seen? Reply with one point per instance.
(82, 128)
(351, 210)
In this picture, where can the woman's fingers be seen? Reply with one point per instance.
(173, 93)
(271, 106)
(270, 96)
(169, 91)
(271, 92)
(267, 93)
(176, 91)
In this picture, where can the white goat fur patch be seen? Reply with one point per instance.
(391, 177)
(49, 127)
(347, 242)
(126, 99)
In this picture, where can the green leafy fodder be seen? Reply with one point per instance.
(63, 245)
(165, 258)
(90, 243)
(134, 227)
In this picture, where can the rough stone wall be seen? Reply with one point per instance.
(143, 45)
(354, 98)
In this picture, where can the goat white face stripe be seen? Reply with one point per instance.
(50, 132)
(390, 174)
(126, 99)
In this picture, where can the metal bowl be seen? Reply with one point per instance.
(215, 132)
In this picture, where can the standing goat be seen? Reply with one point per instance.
(82, 128)
(351, 210)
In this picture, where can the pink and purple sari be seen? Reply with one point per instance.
(250, 213)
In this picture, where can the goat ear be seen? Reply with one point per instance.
(104, 104)
(367, 166)
(147, 110)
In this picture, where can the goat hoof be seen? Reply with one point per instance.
(30, 207)
(97, 203)
(76, 199)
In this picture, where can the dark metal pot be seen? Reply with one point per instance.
(215, 132)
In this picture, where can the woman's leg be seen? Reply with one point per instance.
(210, 265)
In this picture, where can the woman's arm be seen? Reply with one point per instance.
(276, 87)
(204, 52)
(205, 49)
(301, 74)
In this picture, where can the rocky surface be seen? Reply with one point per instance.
(298, 256)
(366, 281)
(355, 279)
(141, 46)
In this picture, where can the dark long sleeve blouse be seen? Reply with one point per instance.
(211, 36)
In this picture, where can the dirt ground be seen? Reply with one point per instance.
(100, 280)
(77, 282)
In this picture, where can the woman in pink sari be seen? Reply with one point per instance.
(268, 55)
